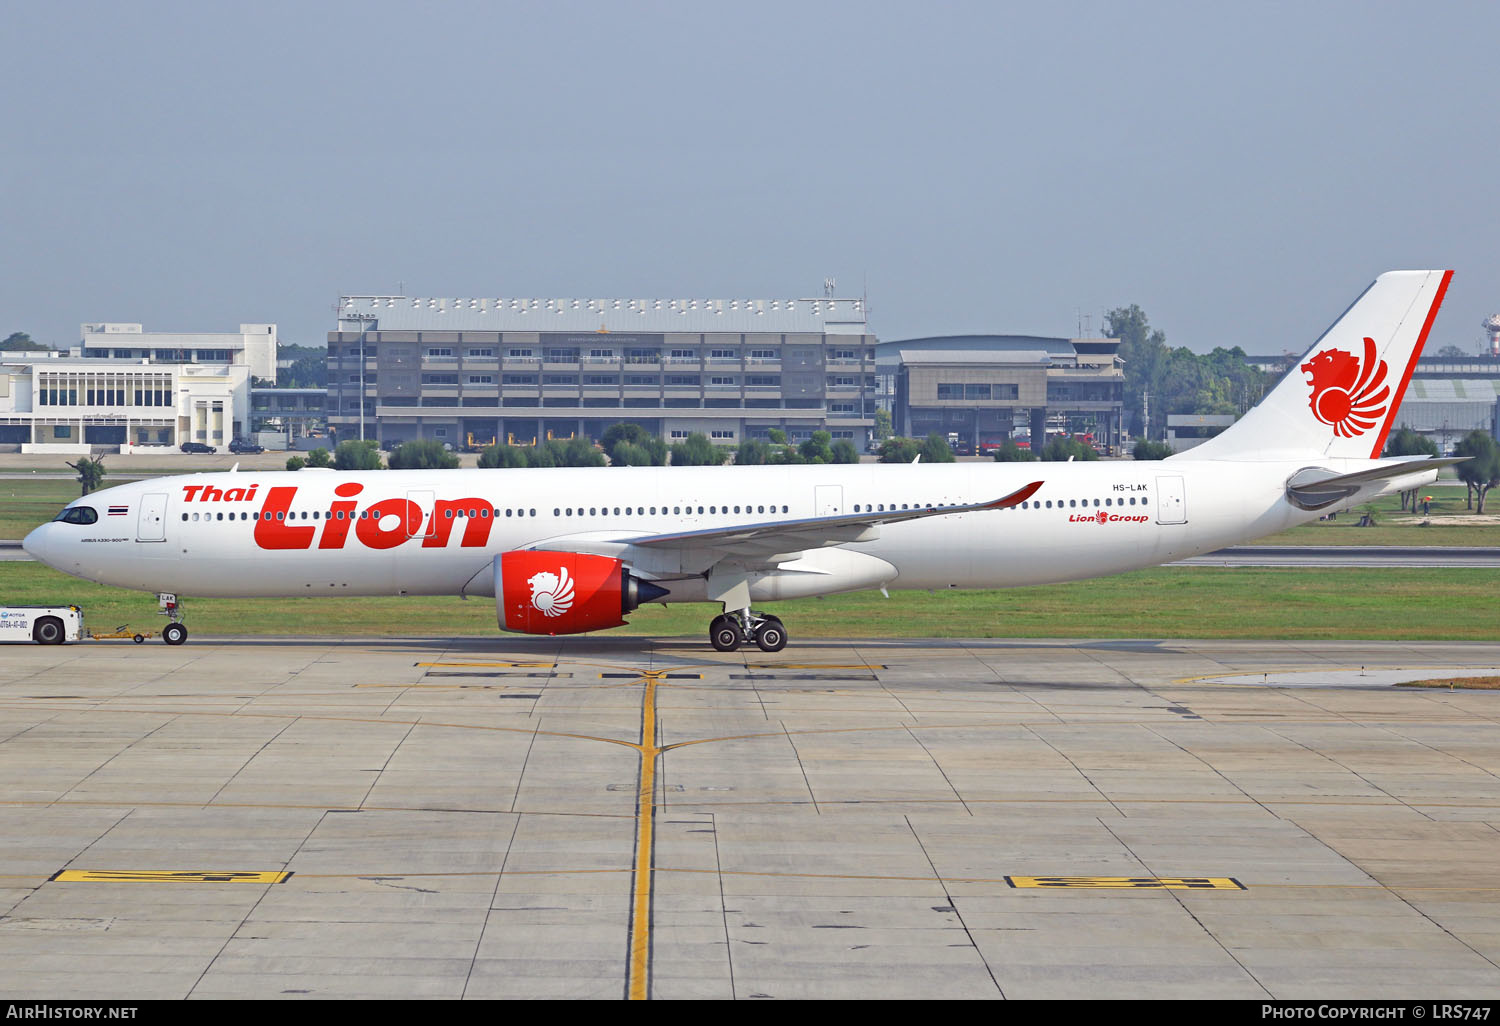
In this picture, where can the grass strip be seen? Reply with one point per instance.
(1168, 602)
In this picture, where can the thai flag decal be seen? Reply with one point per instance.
(118, 511)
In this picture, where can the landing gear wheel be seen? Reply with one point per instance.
(138, 638)
(724, 634)
(771, 637)
(48, 631)
(174, 634)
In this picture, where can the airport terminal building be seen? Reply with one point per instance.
(987, 388)
(469, 371)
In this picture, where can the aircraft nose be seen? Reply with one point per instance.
(35, 543)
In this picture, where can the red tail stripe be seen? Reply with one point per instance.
(1411, 365)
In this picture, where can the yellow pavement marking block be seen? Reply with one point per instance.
(166, 876)
(487, 664)
(1170, 883)
(815, 666)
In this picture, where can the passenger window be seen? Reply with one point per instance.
(184, 518)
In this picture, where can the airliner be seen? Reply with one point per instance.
(566, 551)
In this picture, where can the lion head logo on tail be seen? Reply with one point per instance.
(1348, 394)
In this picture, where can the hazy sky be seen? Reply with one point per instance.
(1240, 171)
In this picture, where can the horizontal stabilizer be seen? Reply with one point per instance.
(1314, 488)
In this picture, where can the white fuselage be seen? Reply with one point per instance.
(437, 532)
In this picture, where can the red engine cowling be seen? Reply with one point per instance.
(565, 592)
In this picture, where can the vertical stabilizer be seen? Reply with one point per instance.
(1340, 399)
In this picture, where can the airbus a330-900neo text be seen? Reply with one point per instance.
(564, 551)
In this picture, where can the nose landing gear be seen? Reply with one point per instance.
(174, 633)
(730, 630)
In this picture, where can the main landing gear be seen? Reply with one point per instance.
(730, 630)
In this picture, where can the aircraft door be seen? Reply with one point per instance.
(1171, 501)
(828, 500)
(427, 503)
(151, 522)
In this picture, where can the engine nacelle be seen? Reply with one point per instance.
(539, 592)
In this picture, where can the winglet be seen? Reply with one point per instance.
(1015, 498)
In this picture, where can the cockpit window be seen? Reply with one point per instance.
(78, 515)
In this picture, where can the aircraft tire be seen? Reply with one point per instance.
(174, 634)
(724, 634)
(772, 635)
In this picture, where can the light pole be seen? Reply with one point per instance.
(361, 382)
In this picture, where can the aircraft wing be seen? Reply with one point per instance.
(759, 540)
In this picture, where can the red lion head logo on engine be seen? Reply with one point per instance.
(1348, 394)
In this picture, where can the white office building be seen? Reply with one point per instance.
(254, 346)
(73, 406)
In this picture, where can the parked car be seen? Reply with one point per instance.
(196, 447)
(241, 446)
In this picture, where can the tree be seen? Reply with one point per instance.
(697, 451)
(776, 436)
(90, 473)
(308, 369)
(295, 463)
(1178, 380)
(937, 450)
(630, 445)
(319, 457)
(575, 452)
(1145, 449)
(1060, 450)
(357, 455)
(623, 431)
(1143, 351)
(423, 455)
(882, 425)
(845, 452)
(1481, 471)
(1406, 442)
(752, 453)
(1010, 452)
(494, 457)
(19, 341)
(899, 450)
(817, 448)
